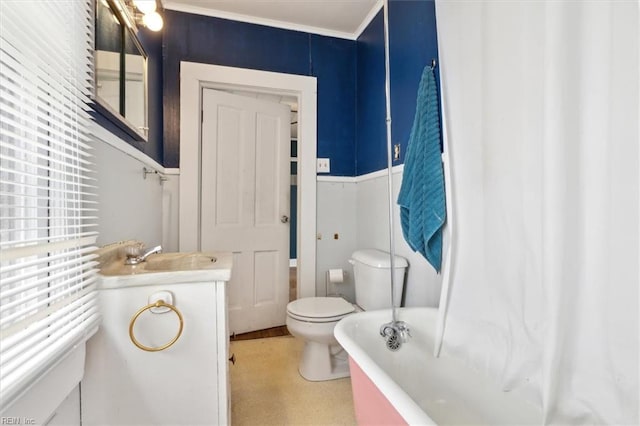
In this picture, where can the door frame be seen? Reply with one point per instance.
(196, 76)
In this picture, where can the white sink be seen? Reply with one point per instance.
(180, 261)
(162, 262)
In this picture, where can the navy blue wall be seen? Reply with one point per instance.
(351, 109)
(412, 45)
(370, 129)
(203, 39)
(334, 63)
(152, 44)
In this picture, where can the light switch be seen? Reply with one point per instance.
(396, 152)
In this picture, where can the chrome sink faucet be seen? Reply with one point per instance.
(136, 259)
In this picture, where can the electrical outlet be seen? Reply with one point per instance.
(323, 165)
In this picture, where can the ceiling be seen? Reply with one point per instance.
(338, 18)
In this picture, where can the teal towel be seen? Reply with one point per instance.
(422, 197)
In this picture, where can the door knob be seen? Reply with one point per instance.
(233, 359)
(284, 219)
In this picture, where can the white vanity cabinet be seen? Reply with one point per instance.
(185, 384)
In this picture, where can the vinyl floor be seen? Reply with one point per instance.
(266, 388)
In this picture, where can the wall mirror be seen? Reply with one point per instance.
(120, 71)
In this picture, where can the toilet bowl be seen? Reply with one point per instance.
(313, 319)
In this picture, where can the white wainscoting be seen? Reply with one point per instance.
(423, 284)
(171, 210)
(356, 209)
(130, 207)
(336, 215)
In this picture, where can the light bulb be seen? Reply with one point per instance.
(145, 6)
(153, 21)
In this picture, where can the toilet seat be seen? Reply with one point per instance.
(319, 309)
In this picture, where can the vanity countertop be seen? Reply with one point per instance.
(162, 268)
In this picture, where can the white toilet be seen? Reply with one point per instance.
(314, 318)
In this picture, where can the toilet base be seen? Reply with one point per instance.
(323, 362)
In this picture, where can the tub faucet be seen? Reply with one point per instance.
(135, 259)
(395, 334)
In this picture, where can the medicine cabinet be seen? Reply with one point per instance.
(120, 71)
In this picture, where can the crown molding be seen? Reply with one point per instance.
(367, 19)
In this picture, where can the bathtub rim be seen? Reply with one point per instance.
(399, 399)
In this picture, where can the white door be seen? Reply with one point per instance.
(245, 203)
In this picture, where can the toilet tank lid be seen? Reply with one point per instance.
(378, 258)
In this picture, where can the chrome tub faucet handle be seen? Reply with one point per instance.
(134, 259)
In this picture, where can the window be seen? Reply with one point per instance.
(47, 207)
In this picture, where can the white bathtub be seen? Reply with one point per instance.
(410, 386)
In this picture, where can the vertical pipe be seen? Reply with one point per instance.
(387, 90)
(446, 267)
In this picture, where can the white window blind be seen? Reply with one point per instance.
(47, 206)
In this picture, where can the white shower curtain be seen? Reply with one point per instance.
(541, 110)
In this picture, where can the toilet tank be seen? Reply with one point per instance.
(372, 276)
